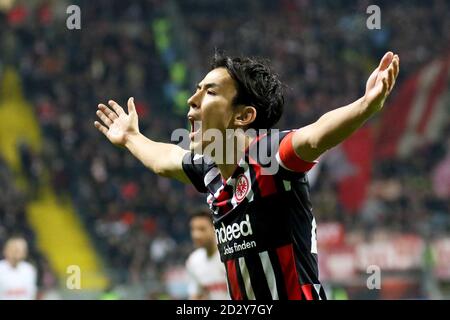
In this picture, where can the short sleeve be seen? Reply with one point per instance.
(288, 158)
(280, 158)
(196, 166)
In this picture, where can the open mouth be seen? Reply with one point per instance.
(195, 128)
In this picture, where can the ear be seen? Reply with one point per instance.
(244, 116)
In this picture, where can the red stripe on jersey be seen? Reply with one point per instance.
(287, 263)
(233, 280)
(222, 201)
(266, 182)
(290, 159)
(307, 291)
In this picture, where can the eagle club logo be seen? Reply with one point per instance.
(242, 186)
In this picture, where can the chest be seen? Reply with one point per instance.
(249, 183)
(15, 283)
(209, 271)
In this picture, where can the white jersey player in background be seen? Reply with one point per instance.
(207, 275)
(18, 278)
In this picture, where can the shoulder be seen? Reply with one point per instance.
(268, 140)
(275, 151)
(197, 168)
(196, 257)
(216, 258)
(273, 135)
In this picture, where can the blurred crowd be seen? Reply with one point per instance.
(323, 54)
(13, 223)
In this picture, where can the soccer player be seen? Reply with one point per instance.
(18, 280)
(266, 232)
(207, 279)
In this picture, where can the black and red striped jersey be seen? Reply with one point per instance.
(265, 229)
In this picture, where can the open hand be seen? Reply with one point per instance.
(381, 81)
(117, 125)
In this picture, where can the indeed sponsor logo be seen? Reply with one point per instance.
(234, 230)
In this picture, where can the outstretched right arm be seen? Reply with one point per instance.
(122, 129)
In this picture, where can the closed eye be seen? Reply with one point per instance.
(212, 93)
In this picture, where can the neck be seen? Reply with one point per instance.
(211, 249)
(13, 263)
(227, 165)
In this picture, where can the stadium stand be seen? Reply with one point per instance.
(390, 195)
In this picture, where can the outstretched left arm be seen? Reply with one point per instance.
(335, 126)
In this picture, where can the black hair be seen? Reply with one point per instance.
(257, 85)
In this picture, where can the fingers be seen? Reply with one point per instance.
(391, 77)
(118, 109)
(100, 127)
(393, 72)
(385, 89)
(396, 68)
(108, 112)
(396, 64)
(107, 121)
(386, 60)
(131, 106)
(390, 65)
